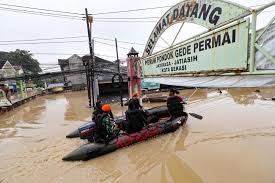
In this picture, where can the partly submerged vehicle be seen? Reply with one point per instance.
(86, 131)
(93, 150)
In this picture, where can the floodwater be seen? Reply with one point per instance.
(235, 142)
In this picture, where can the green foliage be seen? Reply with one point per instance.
(22, 58)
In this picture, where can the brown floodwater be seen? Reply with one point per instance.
(235, 142)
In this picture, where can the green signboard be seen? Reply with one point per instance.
(225, 48)
(207, 13)
(150, 85)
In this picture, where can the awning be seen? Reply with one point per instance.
(217, 81)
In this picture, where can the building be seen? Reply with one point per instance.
(75, 63)
(6, 70)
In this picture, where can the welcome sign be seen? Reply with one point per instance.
(217, 50)
(207, 13)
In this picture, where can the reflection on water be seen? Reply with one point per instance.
(233, 142)
(151, 161)
(249, 95)
(243, 97)
(24, 117)
(77, 107)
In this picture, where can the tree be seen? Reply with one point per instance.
(22, 58)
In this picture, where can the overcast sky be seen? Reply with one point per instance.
(18, 26)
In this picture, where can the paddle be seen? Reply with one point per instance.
(196, 116)
(193, 114)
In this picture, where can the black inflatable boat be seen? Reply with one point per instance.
(93, 150)
(86, 130)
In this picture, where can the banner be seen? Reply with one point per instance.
(223, 49)
(207, 13)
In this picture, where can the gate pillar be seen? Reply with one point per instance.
(133, 72)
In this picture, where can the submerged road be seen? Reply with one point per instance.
(235, 142)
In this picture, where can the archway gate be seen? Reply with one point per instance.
(229, 47)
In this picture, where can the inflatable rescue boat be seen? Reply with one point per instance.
(93, 150)
(86, 130)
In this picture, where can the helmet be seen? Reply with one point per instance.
(134, 95)
(106, 108)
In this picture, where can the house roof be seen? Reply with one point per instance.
(98, 59)
(63, 63)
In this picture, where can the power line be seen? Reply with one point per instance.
(67, 14)
(49, 65)
(126, 42)
(144, 9)
(40, 13)
(28, 11)
(60, 38)
(27, 7)
(99, 13)
(44, 39)
(111, 45)
(125, 21)
(78, 18)
(125, 18)
(72, 54)
(59, 53)
(108, 39)
(70, 37)
(100, 55)
(58, 42)
(131, 10)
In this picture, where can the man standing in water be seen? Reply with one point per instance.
(175, 104)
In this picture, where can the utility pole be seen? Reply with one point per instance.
(89, 21)
(95, 81)
(85, 63)
(118, 70)
(118, 62)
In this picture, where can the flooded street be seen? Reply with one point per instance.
(235, 142)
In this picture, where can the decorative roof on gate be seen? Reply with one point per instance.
(132, 52)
